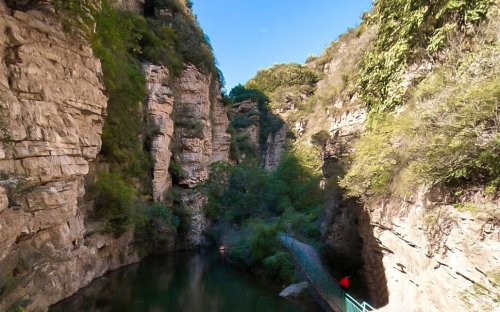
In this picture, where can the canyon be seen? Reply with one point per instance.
(428, 251)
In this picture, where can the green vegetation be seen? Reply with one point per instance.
(184, 35)
(249, 206)
(334, 47)
(118, 202)
(285, 84)
(283, 75)
(408, 31)
(320, 138)
(115, 41)
(156, 225)
(168, 36)
(268, 123)
(447, 134)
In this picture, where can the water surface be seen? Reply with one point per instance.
(191, 282)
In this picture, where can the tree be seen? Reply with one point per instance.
(320, 138)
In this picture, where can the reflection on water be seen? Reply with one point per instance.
(182, 282)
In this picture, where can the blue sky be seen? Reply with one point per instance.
(248, 35)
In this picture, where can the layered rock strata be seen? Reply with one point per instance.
(200, 138)
(160, 104)
(425, 248)
(52, 111)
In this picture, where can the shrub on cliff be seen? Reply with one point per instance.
(115, 41)
(115, 201)
(408, 31)
(189, 42)
(320, 138)
(283, 75)
(448, 133)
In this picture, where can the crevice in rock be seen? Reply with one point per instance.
(22, 5)
(352, 248)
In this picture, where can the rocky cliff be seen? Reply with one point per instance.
(200, 138)
(53, 108)
(433, 247)
(191, 129)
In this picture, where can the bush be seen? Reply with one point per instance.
(115, 201)
(114, 42)
(406, 28)
(447, 135)
(283, 75)
(191, 44)
(320, 138)
(114, 196)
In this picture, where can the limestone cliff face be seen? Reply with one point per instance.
(52, 109)
(160, 104)
(200, 138)
(430, 255)
(273, 149)
(136, 6)
(193, 133)
(276, 145)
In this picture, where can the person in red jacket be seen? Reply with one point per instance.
(345, 283)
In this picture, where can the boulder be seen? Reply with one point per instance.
(295, 290)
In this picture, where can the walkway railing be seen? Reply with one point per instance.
(324, 285)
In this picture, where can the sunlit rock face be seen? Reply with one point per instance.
(136, 6)
(200, 138)
(52, 108)
(160, 103)
(432, 256)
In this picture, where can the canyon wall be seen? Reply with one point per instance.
(433, 256)
(428, 251)
(200, 138)
(431, 251)
(52, 110)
